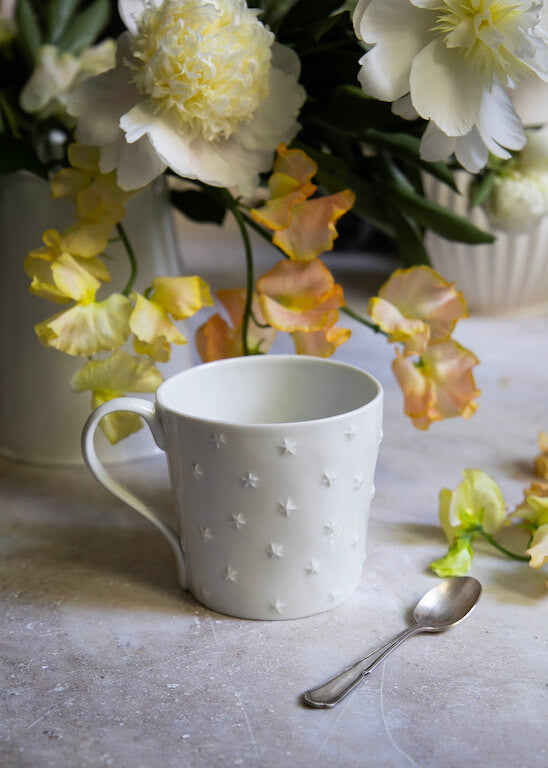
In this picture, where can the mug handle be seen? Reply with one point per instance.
(147, 411)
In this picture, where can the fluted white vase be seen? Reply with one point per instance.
(508, 275)
(40, 418)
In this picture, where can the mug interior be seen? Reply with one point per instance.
(270, 389)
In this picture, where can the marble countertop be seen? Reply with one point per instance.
(106, 662)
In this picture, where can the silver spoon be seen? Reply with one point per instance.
(440, 608)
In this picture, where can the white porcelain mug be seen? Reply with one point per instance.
(271, 461)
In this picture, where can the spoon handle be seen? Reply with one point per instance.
(338, 687)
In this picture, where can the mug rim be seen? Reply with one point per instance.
(269, 359)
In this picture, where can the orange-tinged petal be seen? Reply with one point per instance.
(440, 385)
(541, 466)
(421, 293)
(181, 296)
(289, 184)
(314, 318)
(543, 442)
(321, 343)
(86, 329)
(215, 340)
(297, 284)
(312, 228)
(149, 321)
(412, 332)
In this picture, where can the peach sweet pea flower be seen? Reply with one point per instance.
(112, 377)
(321, 343)
(89, 326)
(299, 296)
(303, 228)
(216, 339)
(440, 385)
(154, 330)
(415, 306)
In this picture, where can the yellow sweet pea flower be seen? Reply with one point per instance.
(182, 297)
(153, 329)
(86, 329)
(538, 549)
(39, 262)
(179, 297)
(477, 500)
(112, 377)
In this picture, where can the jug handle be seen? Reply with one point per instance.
(148, 412)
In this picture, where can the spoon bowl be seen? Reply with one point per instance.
(440, 608)
(447, 604)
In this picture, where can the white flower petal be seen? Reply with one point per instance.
(99, 103)
(498, 123)
(137, 164)
(471, 152)
(275, 119)
(444, 90)
(131, 10)
(399, 33)
(435, 144)
(357, 15)
(404, 108)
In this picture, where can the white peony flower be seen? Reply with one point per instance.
(451, 61)
(519, 196)
(200, 87)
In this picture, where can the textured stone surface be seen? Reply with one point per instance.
(105, 662)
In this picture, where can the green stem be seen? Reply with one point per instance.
(132, 260)
(11, 120)
(260, 231)
(373, 326)
(507, 552)
(250, 279)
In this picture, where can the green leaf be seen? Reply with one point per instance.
(199, 205)
(59, 14)
(30, 36)
(302, 12)
(482, 189)
(409, 240)
(274, 12)
(85, 27)
(16, 155)
(349, 110)
(433, 216)
(407, 147)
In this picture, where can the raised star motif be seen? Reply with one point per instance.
(197, 471)
(275, 551)
(249, 480)
(278, 605)
(358, 481)
(205, 533)
(372, 491)
(313, 567)
(331, 527)
(230, 574)
(355, 538)
(381, 435)
(328, 478)
(287, 447)
(237, 520)
(333, 595)
(218, 439)
(351, 432)
(287, 507)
